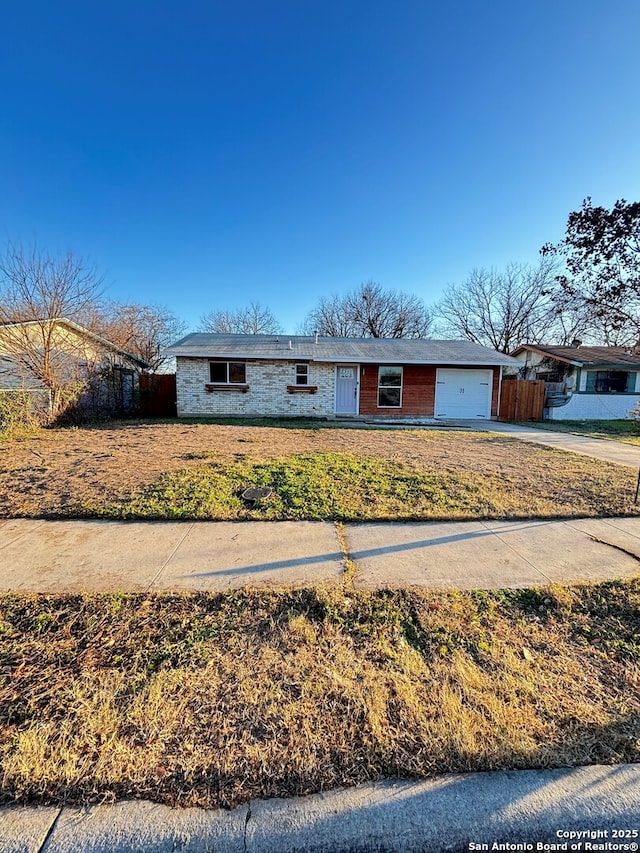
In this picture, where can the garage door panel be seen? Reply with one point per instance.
(463, 393)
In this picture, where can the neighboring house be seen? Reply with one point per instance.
(71, 355)
(583, 382)
(279, 375)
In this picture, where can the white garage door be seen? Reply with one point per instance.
(463, 393)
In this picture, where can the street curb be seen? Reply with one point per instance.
(451, 814)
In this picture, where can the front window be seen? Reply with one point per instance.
(389, 387)
(302, 374)
(227, 372)
(607, 381)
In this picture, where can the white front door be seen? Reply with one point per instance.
(347, 389)
(463, 393)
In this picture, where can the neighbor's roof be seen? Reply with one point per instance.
(87, 333)
(585, 356)
(361, 350)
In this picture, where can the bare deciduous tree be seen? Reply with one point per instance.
(504, 309)
(371, 312)
(255, 319)
(331, 318)
(35, 285)
(141, 330)
(37, 288)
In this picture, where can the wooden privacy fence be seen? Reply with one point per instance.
(158, 395)
(522, 400)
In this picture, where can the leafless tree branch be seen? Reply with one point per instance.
(255, 319)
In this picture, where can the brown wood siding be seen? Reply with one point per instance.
(495, 394)
(418, 392)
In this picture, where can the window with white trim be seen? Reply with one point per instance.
(302, 374)
(389, 387)
(227, 372)
(607, 381)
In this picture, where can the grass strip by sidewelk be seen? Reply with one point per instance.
(213, 700)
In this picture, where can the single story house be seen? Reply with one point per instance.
(322, 377)
(70, 354)
(583, 382)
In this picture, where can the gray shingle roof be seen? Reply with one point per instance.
(362, 350)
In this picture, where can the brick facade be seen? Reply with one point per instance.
(267, 394)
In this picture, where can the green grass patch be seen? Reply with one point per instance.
(311, 486)
(350, 487)
(214, 700)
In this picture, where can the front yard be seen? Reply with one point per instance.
(214, 700)
(199, 470)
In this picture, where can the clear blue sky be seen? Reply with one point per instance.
(207, 154)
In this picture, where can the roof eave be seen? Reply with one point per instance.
(502, 361)
(546, 354)
(87, 333)
(611, 365)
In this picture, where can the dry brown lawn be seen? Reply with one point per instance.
(62, 472)
(215, 700)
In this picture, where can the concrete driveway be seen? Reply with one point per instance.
(608, 451)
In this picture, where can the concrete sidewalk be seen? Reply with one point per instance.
(99, 556)
(586, 805)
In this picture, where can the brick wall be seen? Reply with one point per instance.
(267, 395)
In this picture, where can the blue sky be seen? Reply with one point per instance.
(208, 154)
